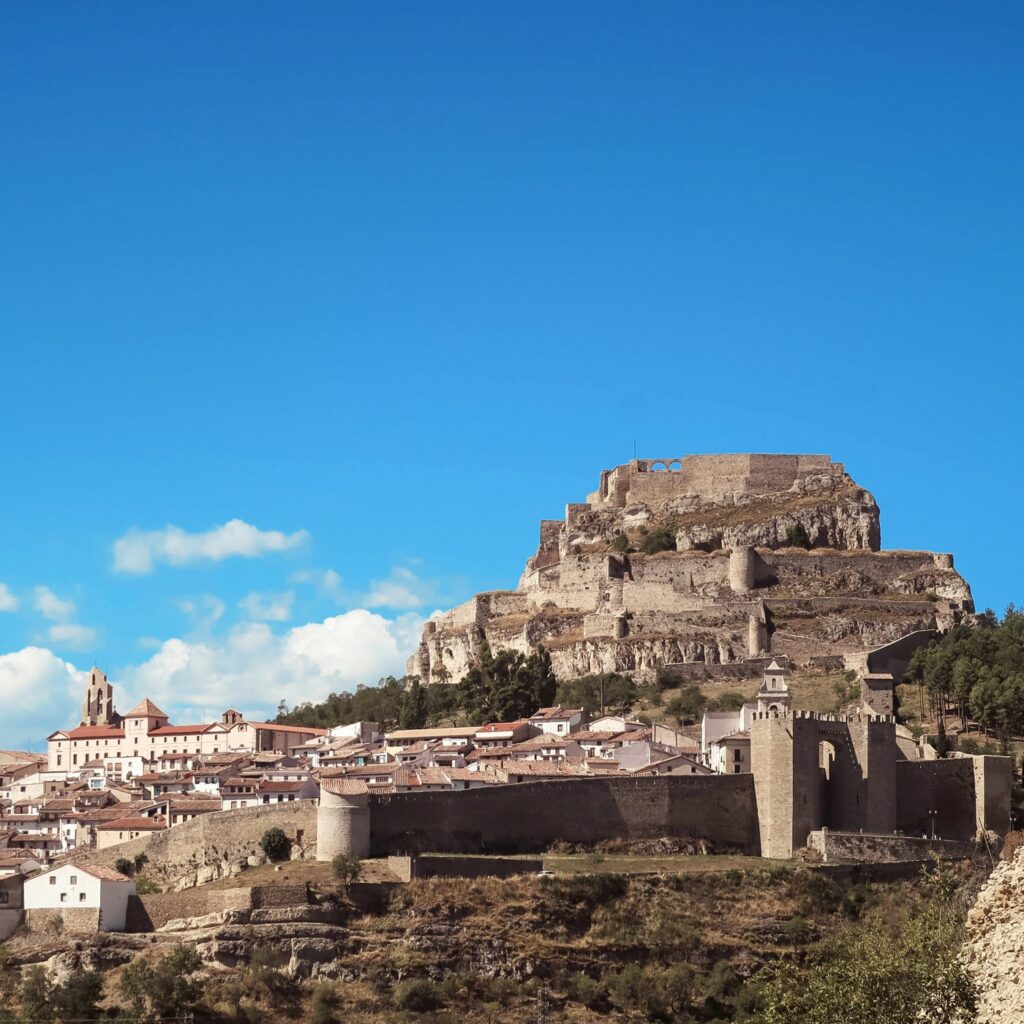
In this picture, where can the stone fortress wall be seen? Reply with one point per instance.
(843, 773)
(735, 588)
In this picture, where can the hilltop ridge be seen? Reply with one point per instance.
(679, 565)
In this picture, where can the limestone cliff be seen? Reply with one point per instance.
(994, 952)
(706, 559)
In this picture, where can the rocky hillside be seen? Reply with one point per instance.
(706, 559)
(672, 947)
(995, 947)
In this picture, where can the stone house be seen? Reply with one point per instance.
(237, 792)
(87, 898)
(121, 830)
(730, 755)
(558, 720)
(273, 791)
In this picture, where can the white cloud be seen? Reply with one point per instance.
(250, 668)
(327, 581)
(204, 612)
(72, 636)
(267, 607)
(8, 602)
(402, 589)
(51, 606)
(33, 683)
(138, 552)
(253, 668)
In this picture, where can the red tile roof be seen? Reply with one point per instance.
(308, 729)
(178, 730)
(145, 709)
(132, 824)
(93, 732)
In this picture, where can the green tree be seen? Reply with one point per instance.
(36, 996)
(911, 972)
(688, 706)
(275, 844)
(170, 989)
(346, 869)
(77, 998)
(607, 692)
(414, 707)
(507, 686)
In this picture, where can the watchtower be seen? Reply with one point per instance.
(343, 819)
(813, 771)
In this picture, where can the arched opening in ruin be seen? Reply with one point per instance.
(658, 467)
(448, 653)
(675, 466)
(826, 758)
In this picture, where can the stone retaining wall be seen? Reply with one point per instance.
(878, 849)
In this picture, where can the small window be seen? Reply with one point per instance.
(53, 879)
(63, 897)
(4, 897)
(74, 879)
(81, 897)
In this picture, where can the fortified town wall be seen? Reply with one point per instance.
(809, 772)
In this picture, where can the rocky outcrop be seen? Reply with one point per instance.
(712, 559)
(994, 952)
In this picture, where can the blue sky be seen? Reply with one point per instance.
(391, 282)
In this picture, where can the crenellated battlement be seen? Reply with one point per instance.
(818, 716)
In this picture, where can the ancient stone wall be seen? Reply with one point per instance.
(867, 848)
(945, 786)
(213, 845)
(530, 816)
(75, 920)
(406, 868)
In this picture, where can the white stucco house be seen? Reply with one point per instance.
(83, 888)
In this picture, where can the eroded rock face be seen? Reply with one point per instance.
(994, 952)
(768, 554)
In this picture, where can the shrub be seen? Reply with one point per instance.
(796, 536)
(627, 988)
(140, 860)
(688, 706)
(661, 539)
(620, 543)
(323, 1005)
(275, 844)
(144, 885)
(797, 931)
(586, 990)
(416, 994)
(346, 869)
(722, 982)
(125, 865)
(730, 700)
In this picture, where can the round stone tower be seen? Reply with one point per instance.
(343, 819)
(741, 569)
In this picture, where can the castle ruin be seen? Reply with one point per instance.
(766, 556)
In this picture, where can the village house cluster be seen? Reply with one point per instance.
(116, 777)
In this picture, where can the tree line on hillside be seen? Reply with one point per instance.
(979, 672)
(500, 687)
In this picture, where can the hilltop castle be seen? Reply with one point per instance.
(710, 560)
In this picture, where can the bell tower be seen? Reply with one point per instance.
(98, 706)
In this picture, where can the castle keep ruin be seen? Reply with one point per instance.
(774, 555)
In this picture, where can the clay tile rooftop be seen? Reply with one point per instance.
(133, 825)
(145, 709)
